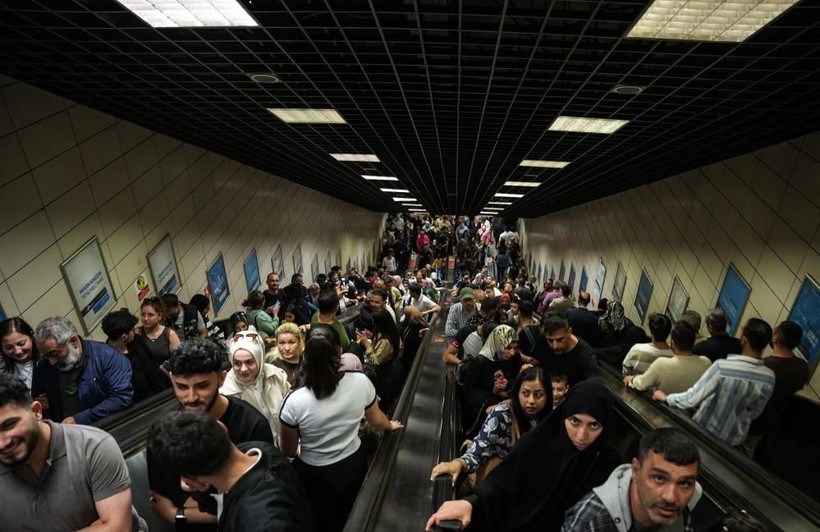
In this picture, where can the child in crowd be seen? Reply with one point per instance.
(560, 387)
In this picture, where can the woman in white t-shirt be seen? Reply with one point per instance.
(320, 420)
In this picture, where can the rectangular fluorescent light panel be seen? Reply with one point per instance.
(532, 184)
(307, 116)
(488, 213)
(707, 20)
(543, 164)
(396, 190)
(577, 124)
(499, 203)
(190, 13)
(354, 157)
(402, 200)
(380, 177)
(417, 210)
(506, 195)
(412, 204)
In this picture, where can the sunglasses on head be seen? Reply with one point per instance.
(245, 334)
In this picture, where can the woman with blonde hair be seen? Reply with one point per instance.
(287, 353)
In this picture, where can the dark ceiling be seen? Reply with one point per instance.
(450, 95)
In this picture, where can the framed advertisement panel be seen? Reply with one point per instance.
(806, 313)
(733, 296)
(582, 285)
(643, 295)
(328, 263)
(298, 267)
(2, 314)
(89, 284)
(562, 270)
(598, 285)
(252, 278)
(571, 278)
(163, 265)
(678, 301)
(339, 261)
(278, 263)
(218, 283)
(620, 283)
(314, 268)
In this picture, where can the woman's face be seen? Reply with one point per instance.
(532, 397)
(288, 346)
(149, 316)
(245, 366)
(240, 326)
(509, 351)
(17, 346)
(290, 317)
(582, 430)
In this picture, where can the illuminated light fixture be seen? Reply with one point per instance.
(507, 195)
(353, 157)
(417, 210)
(499, 203)
(707, 20)
(532, 184)
(543, 164)
(265, 77)
(396, 190)
(577, 124)
(412, 204)
(380, 177)
(190, 13)
(403, 200)
(307, 116)
(488, 213)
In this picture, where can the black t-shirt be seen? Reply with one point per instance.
(244, 423)
(716, 347)
(578, 364)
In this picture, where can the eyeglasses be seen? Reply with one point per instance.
(245, 334)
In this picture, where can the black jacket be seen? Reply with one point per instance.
(269, 497)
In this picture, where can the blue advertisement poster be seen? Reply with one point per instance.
(600, 276)
(2, 314)
(643, 295)
(571, 278)
(218, 281)
(252, 279)
(328, 264)
(297, 260)
(806, 313)
(562, 270)
(278, 263)
(314, 268)
(733, 297)
(582, 286)
(620, 283)
(678, 301)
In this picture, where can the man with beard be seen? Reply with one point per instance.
(78, 380)
(651, 493)
(58, 477)
(196, 374)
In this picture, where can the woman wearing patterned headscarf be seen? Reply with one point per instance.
(618, 334)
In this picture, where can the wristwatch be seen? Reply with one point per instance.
(180, 518)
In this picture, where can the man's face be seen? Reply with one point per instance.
(173, 311)
(559, 390)
(299, 281)
(19, 433)
(273, 282)
(376, 302)
(65, 356)
(559, 340)
(660, 490)
(199, 392)
(468, 305)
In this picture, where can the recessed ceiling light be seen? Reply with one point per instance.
(190, 13)
(265, 77)
(380, 177)
(543, 164)
(499, 203)
(353, 157)
(487, 213)
(401, 200)
(506, 195)
(308, 116)
(412, 204)
(579, 124)
(627, 90)
(417, 210)
(532, 184)
(396, 190)
(707, 20)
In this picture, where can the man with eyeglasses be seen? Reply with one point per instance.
(197, 373)
(78, 380)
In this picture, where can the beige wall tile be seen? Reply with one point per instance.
(131, 135)
(140, 158)
(804, 178)
(88, 122)
(799, 213)
(59, 175)
(109, 181)
(30, 283)
(70, 209)
(787, 245)
(56, 301)
(117, 211)
(20, 200)
(124, 239)
(82, 233)
(13, 163)
(25, 242)
(780, 158)
(98, 151)
(27, 105)
(6, 125)
(46, 139)
(7, 300)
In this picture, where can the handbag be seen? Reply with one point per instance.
(490, 463)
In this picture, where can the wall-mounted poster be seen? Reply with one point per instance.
(620, 283)
(733, 297)
(678, 301)
(806, 313)
(163, 265)
(252, 279)
(328, 262)
(278, 263)
(540, 273)
(218, 283)
(571, 278)
(598, 285)
(297, 260)
(582, 286)
(348, 265)
(314, 268)
(89, 284)
(643, 295)
(552, 272)
(562, 270)
(339, 261)
(2, 314)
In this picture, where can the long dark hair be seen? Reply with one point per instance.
(385, 327)
(12, 325)
(321, 366)
(534, 373)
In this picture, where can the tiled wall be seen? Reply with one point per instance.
(759, 211)
(69, 173)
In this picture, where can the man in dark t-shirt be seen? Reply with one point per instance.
(720, 344)
(561, 352)
(196, 374)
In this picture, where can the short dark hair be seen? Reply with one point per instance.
(322, 330)
(195, 357)
(660, 326)
(584, 298)
(489, 304)
(14, 391)
(716, 319)
(553, 323)
(379, 292)
(118, 322)
(296, 276)
(170, 300)
(415, 288)
(673, 444)
(758, 333)
(692, 317)
(790, 334)
(683, 335)
(526, 308)
(321, 367)
(328, 301)
(189, 443)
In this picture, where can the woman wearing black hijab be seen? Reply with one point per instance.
(547, 472)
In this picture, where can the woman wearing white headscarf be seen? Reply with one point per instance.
(262, 385)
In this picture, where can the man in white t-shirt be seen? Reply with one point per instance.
(641, 356)
(416, 298)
